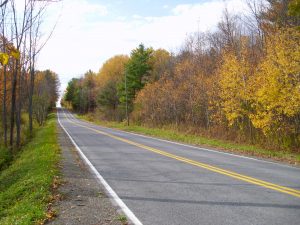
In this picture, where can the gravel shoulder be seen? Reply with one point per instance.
(84, 200)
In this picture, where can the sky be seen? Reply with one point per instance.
(89, 32)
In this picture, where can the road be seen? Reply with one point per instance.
(165, 183)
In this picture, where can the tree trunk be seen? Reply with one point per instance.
(31, 88)
(32, 74)
(19, 109)
(207, 117)
(18, 124)
(4, 113)
(13, 103)
(4, 108)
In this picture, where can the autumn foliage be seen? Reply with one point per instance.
(24, 92)
(240, 82)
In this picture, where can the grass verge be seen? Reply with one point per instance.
(26, 184)
(5, 158)
(228, 146)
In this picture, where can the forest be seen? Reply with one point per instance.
(26, 94)
(239, 82)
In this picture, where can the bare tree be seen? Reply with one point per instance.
(34, 49)
(3, 3)
(20, 42)
(18, 32)
(3, 39)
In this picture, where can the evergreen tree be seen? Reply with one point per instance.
(137, 72)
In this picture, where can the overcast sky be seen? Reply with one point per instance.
(89, 32)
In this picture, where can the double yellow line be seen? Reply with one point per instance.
(229, 173)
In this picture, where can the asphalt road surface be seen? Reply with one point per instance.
(164, 183)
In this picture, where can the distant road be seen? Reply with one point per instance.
(165, 183)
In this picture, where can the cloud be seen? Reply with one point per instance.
(87, 35)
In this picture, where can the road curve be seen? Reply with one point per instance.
(162, 182)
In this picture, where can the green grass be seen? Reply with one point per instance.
(228, 146)
(26, 184)
(5, 157)
(122, 219)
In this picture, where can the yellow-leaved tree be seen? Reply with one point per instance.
(235, 86)
(277, 85)
(108, 79)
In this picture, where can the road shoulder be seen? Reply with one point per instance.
(84, 200)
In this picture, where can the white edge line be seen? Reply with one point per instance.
(111, 192)
(190, 146)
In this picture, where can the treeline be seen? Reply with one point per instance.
(26, 95)
(240, 82)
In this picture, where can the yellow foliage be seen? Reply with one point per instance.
(112, 69)
(12, 51)
(4, 57)
(235, 74)
(277, 81)
(15, 54)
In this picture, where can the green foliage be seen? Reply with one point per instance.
(108, 99)
(137, 72)
(26, 185)
(109, 78)
(294, 8)
(81, 93)
(122, 219)
(108, 95)
(70, 91)
(240, 82)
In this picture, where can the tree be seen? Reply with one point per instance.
(109, 78)
(277, 95)
(19, 36)
(70, 91)
(20, 26)
(137, 72)
(81, 93)
(240, 82)
(89, 85)
(160, 63)
(45, 94)
(4, 61)
(235, 83)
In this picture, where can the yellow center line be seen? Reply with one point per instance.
(282, 189)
